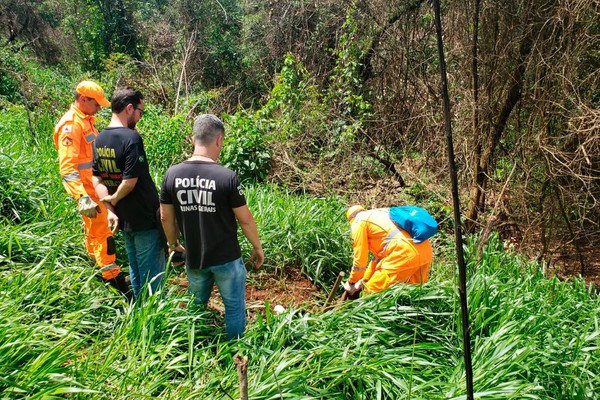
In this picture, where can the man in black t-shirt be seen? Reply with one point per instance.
(123, 182)
(205, 199)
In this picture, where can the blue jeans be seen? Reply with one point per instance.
(231, 281)
(146, 256)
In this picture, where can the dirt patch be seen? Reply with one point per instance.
(562, 259)
(568, 264)
(287, 288)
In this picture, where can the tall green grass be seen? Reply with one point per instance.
(62, 334)
(296, 230)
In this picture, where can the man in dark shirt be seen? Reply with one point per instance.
(122, 181)
(205, 199)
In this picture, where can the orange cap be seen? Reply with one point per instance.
(94, 91)
(352, 211)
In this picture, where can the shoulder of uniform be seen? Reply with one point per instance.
(67, 117)
(69, 121)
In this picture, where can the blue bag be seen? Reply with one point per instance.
(416, 221)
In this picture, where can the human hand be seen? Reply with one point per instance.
(352, 288)
(257, 257)
(176, 254)
(87, 207)
(113, 221)
(349, 287)
(177, 247)
(177, 258)
(110, 199)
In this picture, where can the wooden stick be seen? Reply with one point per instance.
(334, 289)
(242, 369)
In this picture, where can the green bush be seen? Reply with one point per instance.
(345, 93)
(294, 106)
(9, 85)
(245, 150)
(167, 139)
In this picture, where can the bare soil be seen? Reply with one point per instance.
(287, 288)
(567, 264)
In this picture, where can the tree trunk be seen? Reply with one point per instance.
(487, 158)
(475, 191)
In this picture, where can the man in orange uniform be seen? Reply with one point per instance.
(74, 136)
(396, 257)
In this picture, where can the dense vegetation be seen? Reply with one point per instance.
(343, 98)
(326, 103)
(63, 334)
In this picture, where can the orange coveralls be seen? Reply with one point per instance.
(73, 137)
(395, 257)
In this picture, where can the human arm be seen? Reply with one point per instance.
(360, 251)
(73, 155)
(371, 268)
(134, 164)
(102, 191)
(123, 190)
(68, 139)
(169, 224)
(248, 225)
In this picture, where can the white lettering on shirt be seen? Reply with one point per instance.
(200, 183)
(195, 194)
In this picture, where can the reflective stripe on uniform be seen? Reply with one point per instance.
(90, 138)
(71, 177)
(85, 165)
(393, 236)
(355, 268)
(390, 236)
(108, 267)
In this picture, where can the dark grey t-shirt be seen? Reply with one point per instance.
(119, 154)
(204, 195)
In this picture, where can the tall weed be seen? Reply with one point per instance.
(62, 333)
(297, 230)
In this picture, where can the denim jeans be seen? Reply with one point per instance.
(146, 256)
(231, 281)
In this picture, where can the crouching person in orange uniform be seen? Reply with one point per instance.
(397, 258)
(74, 136)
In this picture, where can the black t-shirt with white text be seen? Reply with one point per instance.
(119, 154)
(204, 195)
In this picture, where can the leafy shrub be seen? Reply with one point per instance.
(245, 150)
(294, 105)
(166, 138)
(9, 85)
(102, 29)
(346, 91)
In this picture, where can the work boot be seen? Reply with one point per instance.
(120, 282)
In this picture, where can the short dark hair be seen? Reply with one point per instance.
(207, 127)
(123, 96)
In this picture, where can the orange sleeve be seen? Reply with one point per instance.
(69, 137)
(360, 247)
(371, 269)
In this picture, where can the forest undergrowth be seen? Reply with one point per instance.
(63, 334)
